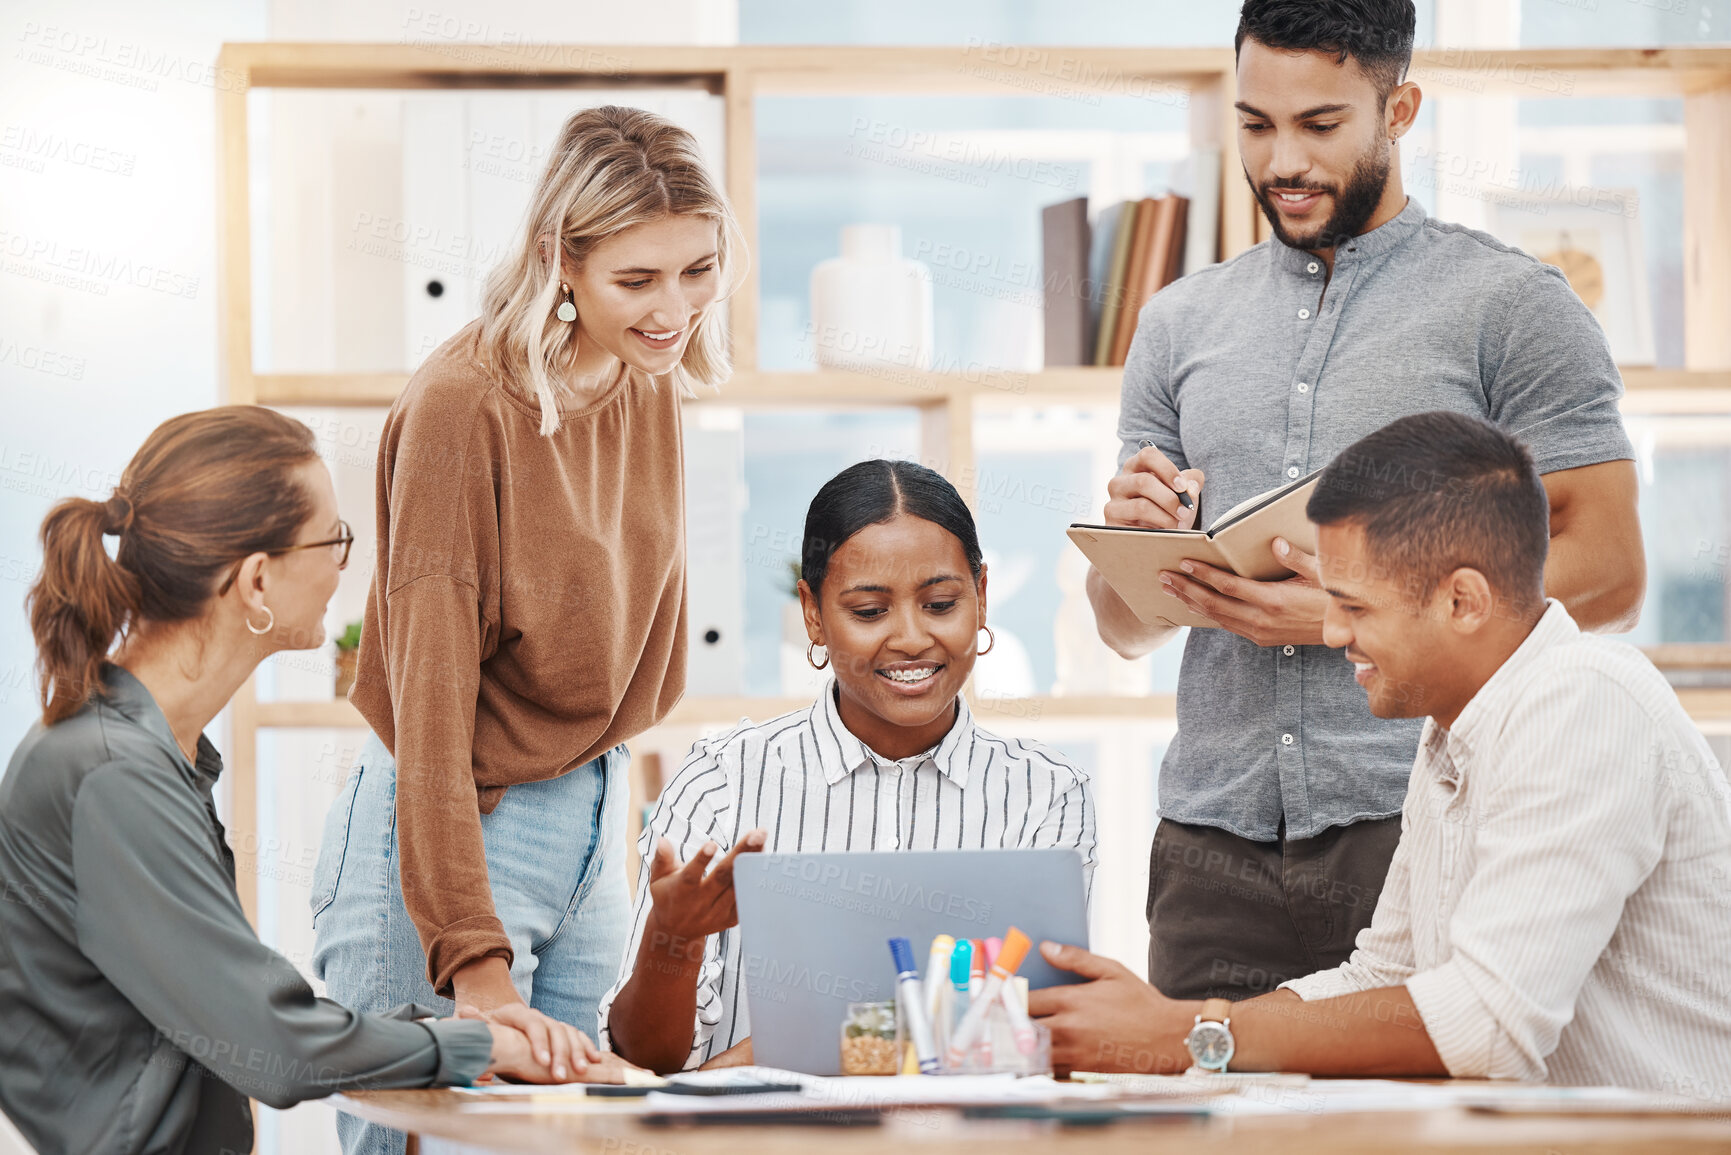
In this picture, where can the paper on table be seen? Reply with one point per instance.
(634, 1077)
(887, 1092)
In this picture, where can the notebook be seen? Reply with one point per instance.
(1240, 540)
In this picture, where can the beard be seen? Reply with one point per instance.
(1353, 206)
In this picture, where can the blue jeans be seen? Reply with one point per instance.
(556, 863)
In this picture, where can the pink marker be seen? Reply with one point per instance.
(993, 946)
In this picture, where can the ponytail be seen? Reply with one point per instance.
(204, 491)
(82, 599)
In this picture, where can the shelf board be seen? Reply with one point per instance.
(1712, 703)
(1648, 389)
(429, 61)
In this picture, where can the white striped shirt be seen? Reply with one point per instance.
(814, 787)
(1560, 903)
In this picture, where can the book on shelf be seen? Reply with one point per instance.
(1123, 226)
(1102, 244)
(1152, 265)
(1064, 256)
(1097, 277)
(1135, 267)
(1240, 541)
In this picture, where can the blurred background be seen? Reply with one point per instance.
(373, 216)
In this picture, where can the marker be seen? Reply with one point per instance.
(938, 977)
(1015, 996)
(1183, 494)
(1009, 959)
(993, 946)
(977, 969)
(912, 1000)
(960, 972)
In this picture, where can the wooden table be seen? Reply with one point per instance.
(435, 1118)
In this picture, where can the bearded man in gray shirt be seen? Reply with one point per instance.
(1280, 795)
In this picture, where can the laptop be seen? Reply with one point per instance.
(815, 931)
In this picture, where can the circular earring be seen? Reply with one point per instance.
(269, 623)
(991, 640)
(567, 310)
(810, 657)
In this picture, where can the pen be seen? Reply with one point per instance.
(912, 1001)
(1008, 961)
(937, 977)
(1184, 494)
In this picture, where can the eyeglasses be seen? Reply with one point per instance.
(341, 543)
(345, 538)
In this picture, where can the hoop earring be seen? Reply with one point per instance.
(991, 640)
(269, 623)
(810, 657)
(567, 310)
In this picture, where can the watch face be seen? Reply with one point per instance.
(1210, 1045)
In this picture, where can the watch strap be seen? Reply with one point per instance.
(1216, 1011)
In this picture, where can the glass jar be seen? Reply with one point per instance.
(871, 1039)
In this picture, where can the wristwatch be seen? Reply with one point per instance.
(1210, 1039)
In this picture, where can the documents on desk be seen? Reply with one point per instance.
(727, 1093)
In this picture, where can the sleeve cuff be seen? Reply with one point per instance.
(1329, 984)
(465, 1048)
(1466, 1035)
(461, 943)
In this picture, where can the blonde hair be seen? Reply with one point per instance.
(612, 168)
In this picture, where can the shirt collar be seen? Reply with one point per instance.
(128, 697)
(1360, 248)
(1554, 628)
(840, 753)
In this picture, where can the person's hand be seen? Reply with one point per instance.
(1271, 613)
(1113, 1022)
(553, 1052)
(1145, 493)
(690, 902)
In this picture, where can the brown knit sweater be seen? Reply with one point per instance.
(527, 613)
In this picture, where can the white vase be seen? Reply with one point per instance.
(871, 308)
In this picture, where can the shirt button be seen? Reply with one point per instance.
(1287, 650)
(1313, 266)
(1292, 471)
(1304, 314)
(1286, 739)
(1304, 387)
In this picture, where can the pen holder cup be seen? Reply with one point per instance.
(997, 1053)
(872, 1039)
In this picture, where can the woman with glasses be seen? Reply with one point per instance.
(138, 1010)
(527, 610)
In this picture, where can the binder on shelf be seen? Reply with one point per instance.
(1064, 252)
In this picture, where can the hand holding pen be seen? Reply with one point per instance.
(1150, 491)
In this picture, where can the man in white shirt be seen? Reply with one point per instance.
(1559, 906)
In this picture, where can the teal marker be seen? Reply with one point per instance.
(961, 969)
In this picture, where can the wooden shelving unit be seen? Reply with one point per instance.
(1202, 77)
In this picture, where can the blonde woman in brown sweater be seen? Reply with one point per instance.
(527, 615)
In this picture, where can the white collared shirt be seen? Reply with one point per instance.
(1559, 906)
(815, 787)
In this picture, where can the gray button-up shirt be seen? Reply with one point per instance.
(1262, 368)
(138, 1010)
